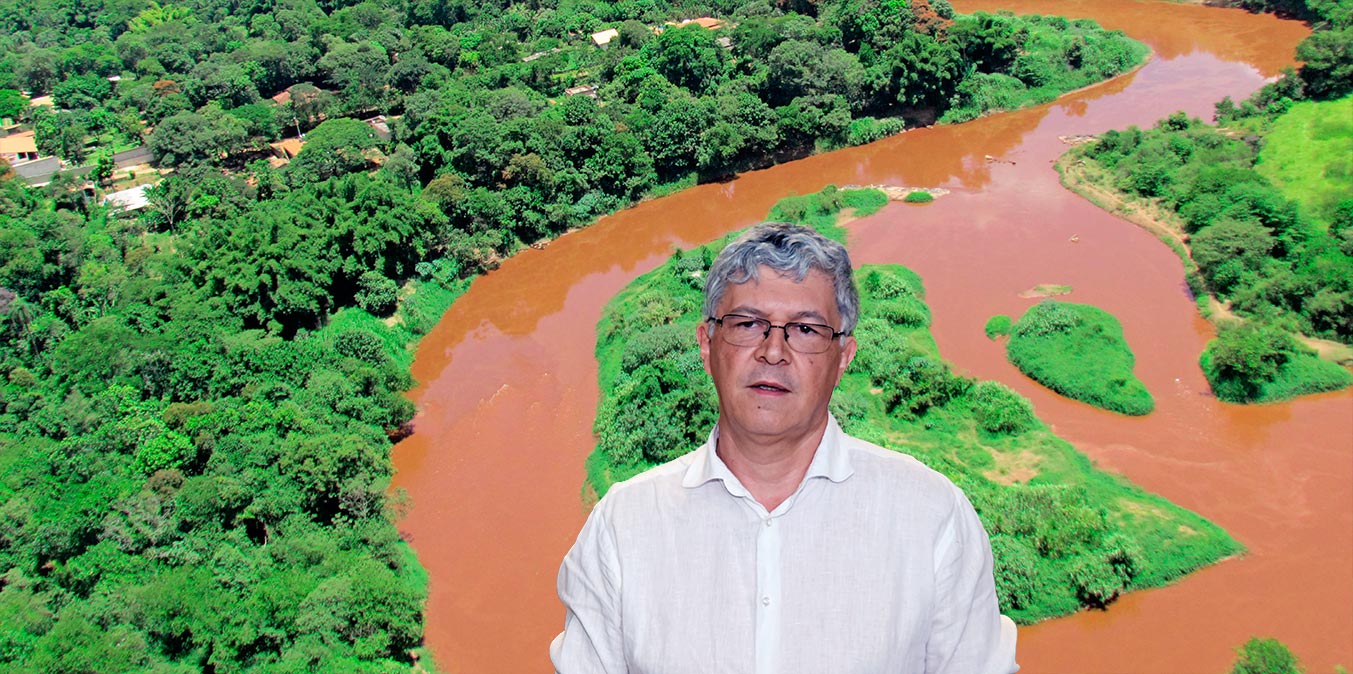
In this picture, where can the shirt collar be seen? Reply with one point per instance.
(830, 460)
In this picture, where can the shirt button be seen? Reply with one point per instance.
(768, 521)
(765, 601)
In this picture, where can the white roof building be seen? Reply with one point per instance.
(604, 37)
(133, 199)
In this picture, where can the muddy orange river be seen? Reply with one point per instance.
(508, 379)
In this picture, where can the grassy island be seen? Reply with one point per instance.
(1078, 351)
(1065, 535)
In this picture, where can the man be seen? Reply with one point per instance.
(782, 545)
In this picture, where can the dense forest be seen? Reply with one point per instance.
(198, 399)
(1064, 534)
(1258, 207)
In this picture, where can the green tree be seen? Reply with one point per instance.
(990, 42)
(916, 72)
(688, 57)
(190, 138)
(1244, 357)
(1327, 63)
(360, 70)
(335, 147)
(802, 68)
(13, 104)
(227, 84)
(1228, 249)
(103, 167)
(1265, 656)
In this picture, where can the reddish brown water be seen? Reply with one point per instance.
(495, 468)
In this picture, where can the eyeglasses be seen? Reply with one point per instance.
(739, 330)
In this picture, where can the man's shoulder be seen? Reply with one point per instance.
(895, 470)
(666, 477)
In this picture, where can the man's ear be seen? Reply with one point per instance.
(848, 346)
(703, 337)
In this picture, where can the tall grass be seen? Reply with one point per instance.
(1308, 154)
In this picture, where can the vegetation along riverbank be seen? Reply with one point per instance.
(1065, 534)
(1258, 209)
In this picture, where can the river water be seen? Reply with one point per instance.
(508, 380)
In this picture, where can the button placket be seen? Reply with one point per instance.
(768, 569)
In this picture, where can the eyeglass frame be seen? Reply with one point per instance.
(836, 334)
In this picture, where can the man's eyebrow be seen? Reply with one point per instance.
(795, 317)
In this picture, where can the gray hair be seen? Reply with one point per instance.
(791, 250)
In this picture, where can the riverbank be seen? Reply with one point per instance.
(1243, 252)
(509, 377)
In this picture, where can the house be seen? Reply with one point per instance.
(133, 199)
(583, 89)
(604, 37)
(19, 147)
(380, 125)
(300, 93)
(706, 22)
(287, 148)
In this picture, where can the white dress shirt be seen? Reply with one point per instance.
(875, 564)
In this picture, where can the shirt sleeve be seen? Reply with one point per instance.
(589, 587)
(968, 633)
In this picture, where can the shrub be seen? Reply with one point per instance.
(919, 197)
(1046, 318)
(1265, 656)
(907, 311)
(868, 129)
(1001, 410)
(376, 294)
(1016, 572)
(656, 343)
(997, 326)
(890, 282)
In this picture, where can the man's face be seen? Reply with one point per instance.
(769, 391)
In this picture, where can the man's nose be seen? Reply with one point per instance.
(775, 345)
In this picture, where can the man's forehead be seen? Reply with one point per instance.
(776, 291)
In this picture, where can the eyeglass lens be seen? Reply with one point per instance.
(741, 330)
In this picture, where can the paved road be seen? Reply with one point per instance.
(40, 172)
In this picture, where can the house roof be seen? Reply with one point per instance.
(129, 199)
(708, 22)
(18, 143)
(604, 37)
(288, 146)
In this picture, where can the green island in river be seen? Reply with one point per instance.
(1065, 535)
(1078, 351)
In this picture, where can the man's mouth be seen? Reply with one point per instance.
(769, 387)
